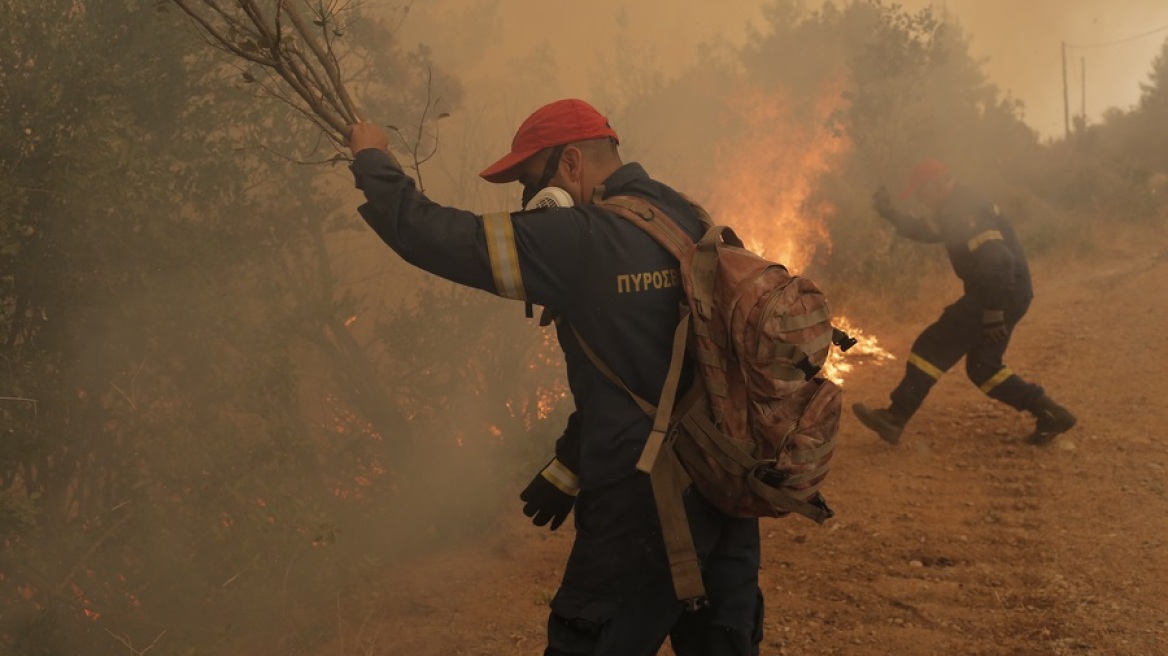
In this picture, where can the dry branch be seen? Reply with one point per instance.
(296, 52)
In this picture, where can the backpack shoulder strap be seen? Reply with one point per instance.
(652, 220)
(667, 476)
(645, 406)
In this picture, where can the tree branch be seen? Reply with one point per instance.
(242, 28)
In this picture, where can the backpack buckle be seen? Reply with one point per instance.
(809, 370)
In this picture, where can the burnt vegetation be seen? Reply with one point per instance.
(215, 425)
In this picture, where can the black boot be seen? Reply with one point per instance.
(887, 424)
(1052, 421)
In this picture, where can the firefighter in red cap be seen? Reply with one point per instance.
(613, 286)
(989, 260)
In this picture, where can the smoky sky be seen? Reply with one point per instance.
(1020, 41)
(514, 55)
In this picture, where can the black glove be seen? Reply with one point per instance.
(882, 203)
(993, 326)
(550, 495)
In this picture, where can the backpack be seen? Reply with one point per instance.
(755, 433)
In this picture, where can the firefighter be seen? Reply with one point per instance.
(988, 258)
(616, 288)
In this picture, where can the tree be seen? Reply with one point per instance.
(1155, 91)
(1151, 141)
(192, 428)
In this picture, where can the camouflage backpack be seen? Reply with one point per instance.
(756, 431)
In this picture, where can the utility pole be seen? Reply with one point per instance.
(1066, 99)
(1083, 91)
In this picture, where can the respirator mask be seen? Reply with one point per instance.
(548, 197)
(540, 195)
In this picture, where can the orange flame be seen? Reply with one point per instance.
(867, 348)
(766, 178)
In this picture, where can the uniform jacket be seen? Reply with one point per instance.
(982, 247)
(602, 275)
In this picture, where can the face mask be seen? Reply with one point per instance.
(549, 197)
(549, 172)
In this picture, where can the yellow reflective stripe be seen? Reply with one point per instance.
(925, 366)
(504, 255)
(996, 380)
(563, 478)
(988, 235)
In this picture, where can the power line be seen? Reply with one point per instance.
(1119, 41)
(1083, 63)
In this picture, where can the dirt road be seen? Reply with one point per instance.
(962, 540)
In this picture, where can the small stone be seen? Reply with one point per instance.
(915, 563)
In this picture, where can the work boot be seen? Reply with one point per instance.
(887, 424)
(1053, 420)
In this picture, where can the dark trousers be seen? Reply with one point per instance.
(956, 334)
(617, 597)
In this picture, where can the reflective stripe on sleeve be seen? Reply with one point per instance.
(504, 255)
(560, 476)
(925, 366)
(988, 235)
(996, 379)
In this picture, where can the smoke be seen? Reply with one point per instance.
(514, 55)
(1022, 45)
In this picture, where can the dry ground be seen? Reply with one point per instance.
(962, 540)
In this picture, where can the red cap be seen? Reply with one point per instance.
(555, 124)
(926, 171)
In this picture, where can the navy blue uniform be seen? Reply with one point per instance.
(988, 258)
(621, 291)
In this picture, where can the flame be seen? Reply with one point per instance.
(866, 348)
(766, 182)
(548, 399)
(766, 178)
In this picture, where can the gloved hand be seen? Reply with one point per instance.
(549, 496)
(993, 325)
(882, 204)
